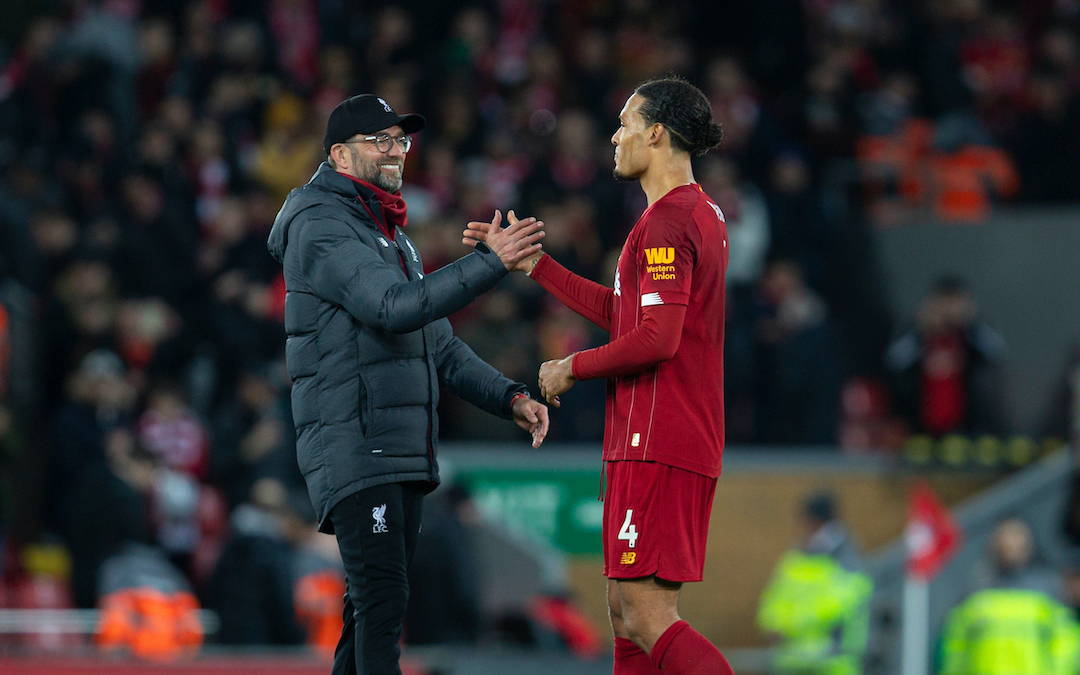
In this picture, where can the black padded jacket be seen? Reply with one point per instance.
(368, 342)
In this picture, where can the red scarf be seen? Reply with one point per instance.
(393, 205)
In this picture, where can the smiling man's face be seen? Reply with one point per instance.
(364, 161)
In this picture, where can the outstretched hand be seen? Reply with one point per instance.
(516, 246)
(532, 416)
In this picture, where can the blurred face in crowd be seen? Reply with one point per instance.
(1012, 545)
(946, 311)
(780, 280)
(631, 141)
(362, 159)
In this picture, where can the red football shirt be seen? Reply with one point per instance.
(673, 412)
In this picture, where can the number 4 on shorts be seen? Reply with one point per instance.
(628, 532)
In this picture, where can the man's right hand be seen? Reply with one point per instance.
(517, 245)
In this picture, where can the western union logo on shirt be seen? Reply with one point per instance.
(659, 263)
(660, 256)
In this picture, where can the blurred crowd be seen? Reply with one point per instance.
(145, 148)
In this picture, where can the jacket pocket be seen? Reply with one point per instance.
(364, 413)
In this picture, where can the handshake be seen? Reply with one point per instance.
(518, 246)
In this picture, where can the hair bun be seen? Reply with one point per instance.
(711, 136)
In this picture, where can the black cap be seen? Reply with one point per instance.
(366, 114)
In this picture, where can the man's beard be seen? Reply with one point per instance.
(381, 180)
(371, 173)
(622, 176)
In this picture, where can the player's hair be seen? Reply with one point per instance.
(683, 110)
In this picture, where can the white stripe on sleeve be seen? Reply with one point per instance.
(650, 299)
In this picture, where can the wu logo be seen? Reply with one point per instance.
(660, 256)
(386, 106)
(379, 514)
(618, 284)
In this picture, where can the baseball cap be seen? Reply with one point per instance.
(366, 114)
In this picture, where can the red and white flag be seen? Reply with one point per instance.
(932, 534)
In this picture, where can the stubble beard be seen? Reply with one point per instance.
(370, 172)
(621, 176)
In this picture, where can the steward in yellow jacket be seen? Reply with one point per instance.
(1010, 631)
(817, 603)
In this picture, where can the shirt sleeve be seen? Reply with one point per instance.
(588, 298)
(666, 256)
(653, 341)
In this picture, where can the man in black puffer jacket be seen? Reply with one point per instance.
(368, 346)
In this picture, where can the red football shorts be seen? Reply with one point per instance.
(656, 521)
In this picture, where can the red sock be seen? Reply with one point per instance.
(631, 659)
(681, 650)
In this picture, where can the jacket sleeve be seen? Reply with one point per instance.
(954, 643)
(469, 377)
(344, 271)
(1065, 641)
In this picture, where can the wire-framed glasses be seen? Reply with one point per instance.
(383, 142)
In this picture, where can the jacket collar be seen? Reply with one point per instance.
(330, 180)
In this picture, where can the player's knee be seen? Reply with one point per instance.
(614, 606)
(614, 613)
(635, 628)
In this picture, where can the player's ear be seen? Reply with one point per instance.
(656, 132)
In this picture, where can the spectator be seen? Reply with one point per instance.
(107, 508)
(156, 252)
(99, 400)
(817, 604)
(170, 431)
(444, 590)
(253, 436)
(947, 369)
(1014, 625)
(1046, 139)
(147, 606)
(252, 587)
(1012, 563)
(798, 365)
(319, 586)
(749, 230)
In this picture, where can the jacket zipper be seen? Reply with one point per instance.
(385, 228)
(423, 336)
(427, 364)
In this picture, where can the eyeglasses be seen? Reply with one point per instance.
(383, 142)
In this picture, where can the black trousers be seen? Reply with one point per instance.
(376, 531)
